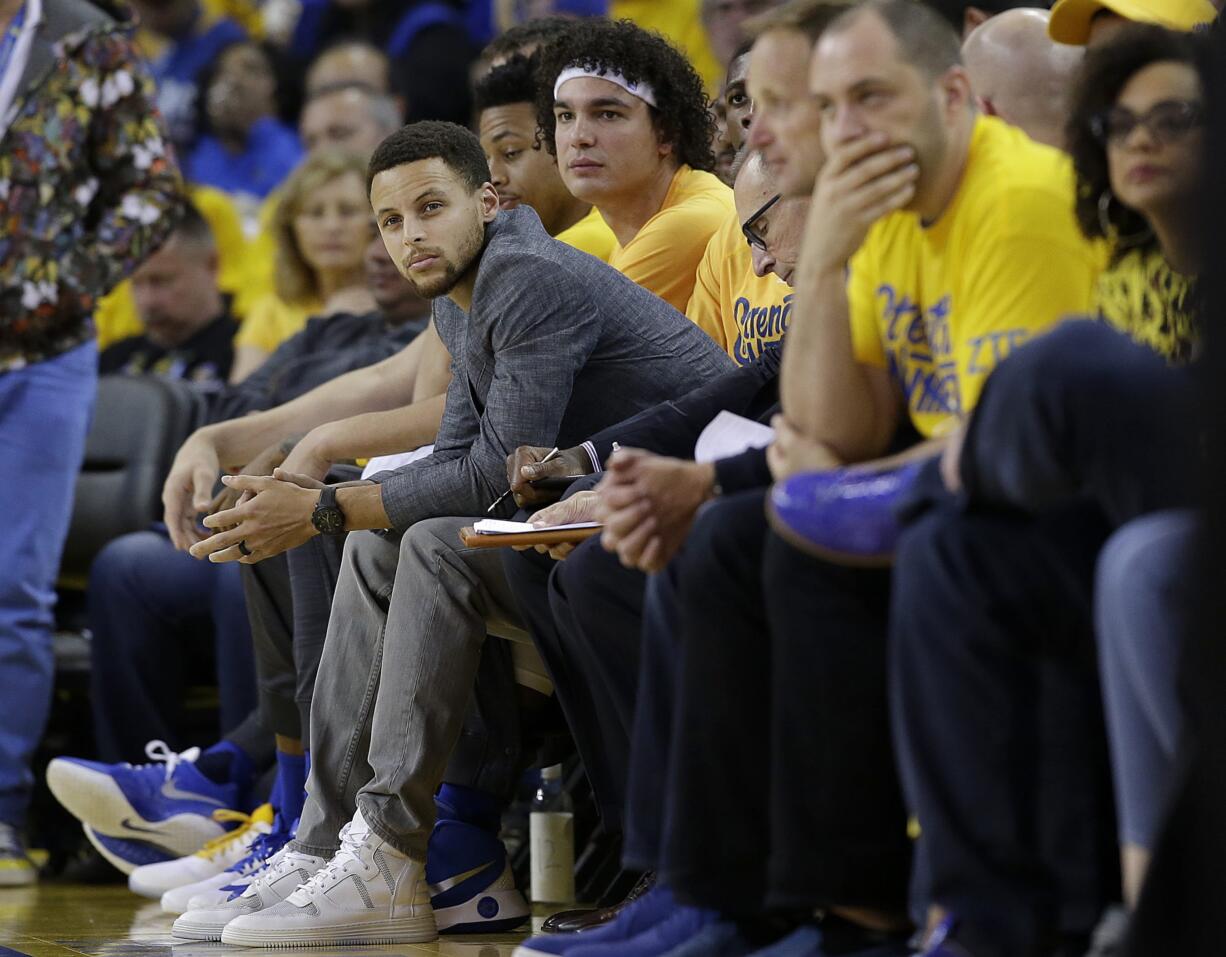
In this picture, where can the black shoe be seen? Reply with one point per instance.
(575, 921)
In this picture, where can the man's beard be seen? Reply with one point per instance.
(469, 258)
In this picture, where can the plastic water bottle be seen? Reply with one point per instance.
(551, 835)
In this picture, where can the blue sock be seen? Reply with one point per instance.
(454, 802)
(227, 763)
(291, 784)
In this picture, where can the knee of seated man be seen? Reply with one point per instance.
(128, 558)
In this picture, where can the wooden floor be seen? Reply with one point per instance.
(62, 920)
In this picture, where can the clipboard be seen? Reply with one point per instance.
(473, 539)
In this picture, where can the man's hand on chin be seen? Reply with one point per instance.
(276, 518)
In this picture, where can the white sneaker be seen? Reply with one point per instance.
(154, 880)
(369, 893)
(285, 872)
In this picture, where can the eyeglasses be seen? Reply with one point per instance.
(1166, 122)
(752, 237)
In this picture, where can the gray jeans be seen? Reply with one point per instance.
(400, 662)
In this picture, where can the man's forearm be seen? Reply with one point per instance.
(824, 391)
(362, 506)
(385, 385)
(381, 433)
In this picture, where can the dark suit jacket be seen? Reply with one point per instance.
(557, 345)
(672, 428)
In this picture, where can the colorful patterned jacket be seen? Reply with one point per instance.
(88, 188)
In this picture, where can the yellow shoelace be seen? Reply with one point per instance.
(223, 816)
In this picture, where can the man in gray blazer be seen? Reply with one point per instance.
(549, 345)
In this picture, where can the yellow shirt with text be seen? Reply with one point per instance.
(739, 310)
(664, 255)
(591, 235)
(940, 305)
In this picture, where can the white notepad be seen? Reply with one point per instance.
(495, 526)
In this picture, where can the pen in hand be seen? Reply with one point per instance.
(502, 498)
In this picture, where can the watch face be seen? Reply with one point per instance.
(328, 520)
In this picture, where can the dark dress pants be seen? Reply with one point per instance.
(998, 723)
(145, 601)
(780, 734)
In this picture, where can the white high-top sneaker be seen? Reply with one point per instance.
(369, 893)
(285, 872)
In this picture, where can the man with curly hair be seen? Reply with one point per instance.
(626, 116)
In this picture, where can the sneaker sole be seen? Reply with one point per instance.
(121, 864)
(18, 876)
(510, 911)
(95, 799)
(523, 950)
(411, 930)
(189, 930)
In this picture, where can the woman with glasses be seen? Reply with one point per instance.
(1136, 137)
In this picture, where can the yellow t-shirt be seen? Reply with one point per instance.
(940, 306)
(115, 316)
(737, 309)
(664, 255)
(272, 320)
(1142, 296)
(680, 22)
(591, 235)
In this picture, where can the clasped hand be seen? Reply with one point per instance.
(273, 516)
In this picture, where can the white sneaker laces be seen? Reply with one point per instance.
(344, 862)
(160, 752)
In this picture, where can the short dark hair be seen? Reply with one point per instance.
(925, 39)
(810, 17)
(1106, 70)
(510, 82)
(427, 139)
(954, 11)
(682, 115)
(533, 33)
(192, 226)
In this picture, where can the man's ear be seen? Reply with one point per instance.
(956, 91)
(971, 18)
(489, 202)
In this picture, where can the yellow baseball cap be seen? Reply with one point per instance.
(1070, 19)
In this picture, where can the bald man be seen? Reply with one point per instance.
(1020, 74)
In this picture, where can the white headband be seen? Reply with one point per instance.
(642, 90)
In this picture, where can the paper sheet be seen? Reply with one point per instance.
(388, 463)
(730, 434)
(495, 526)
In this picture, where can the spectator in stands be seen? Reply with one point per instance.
(1020, 74)
(104, 200)
(1090, 23)
(742, 296)
(523, 171)
(1028, 486)
(441, 236)
(144, 592)
(183, 41)
(426, 42)
(350, 118)
(247, 151)
(350, 63)
(189, 331)
(322, 227)
(626, 116)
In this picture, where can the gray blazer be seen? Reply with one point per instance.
(558, 345)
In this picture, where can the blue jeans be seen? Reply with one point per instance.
(45, 411)
(144, 596)
(1143, 590)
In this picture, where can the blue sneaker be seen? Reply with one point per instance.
(655, 906)
(682, 925)
(127, 855)
(844, 515)
(168, 804)
(472, 888)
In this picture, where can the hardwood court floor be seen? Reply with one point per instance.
(65, 920)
